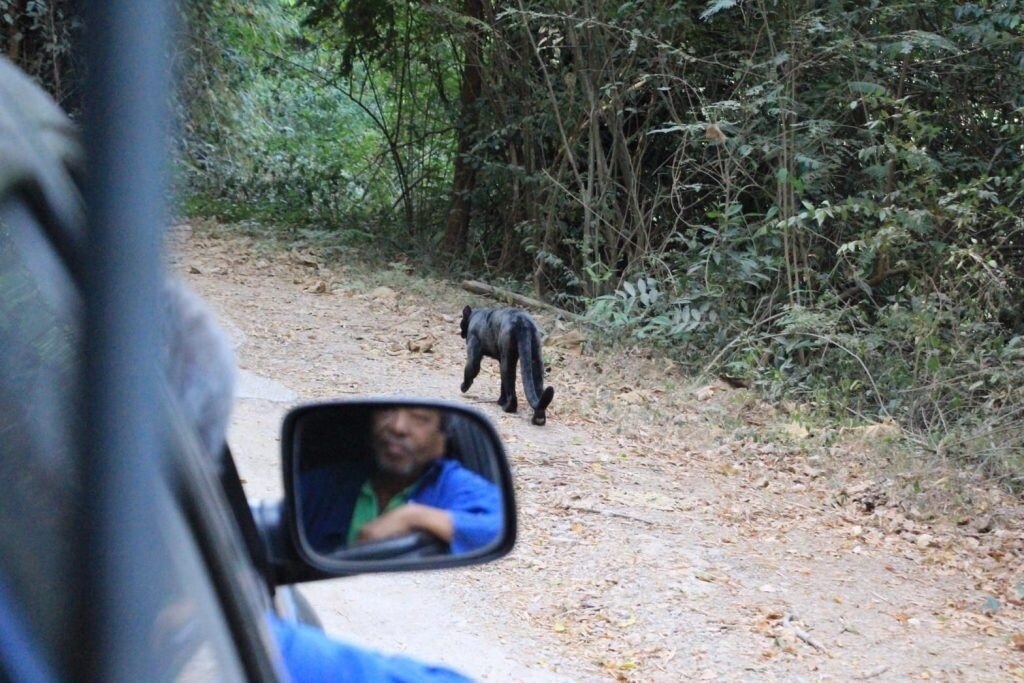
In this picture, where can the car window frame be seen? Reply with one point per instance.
(244, 598)
(244, 601)
(21, 631)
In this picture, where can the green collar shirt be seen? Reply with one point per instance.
(368, 507)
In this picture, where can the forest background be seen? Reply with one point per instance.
(821, 200)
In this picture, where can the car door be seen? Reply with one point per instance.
(201, 615)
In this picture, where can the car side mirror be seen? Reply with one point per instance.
(388, 485)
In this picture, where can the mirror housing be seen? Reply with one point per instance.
(343, 460)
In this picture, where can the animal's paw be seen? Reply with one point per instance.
(510, 406)
(465, 386)
(539, 419)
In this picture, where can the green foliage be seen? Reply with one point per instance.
(39, 36)
(823, 198)
(367, 28)
(279, 130)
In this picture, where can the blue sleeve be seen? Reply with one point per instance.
(473, 502)
(326, 499)
(311, 656)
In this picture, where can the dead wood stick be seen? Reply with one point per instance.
(802, 634)
(874, 673)
(509, 297)
(612, 513)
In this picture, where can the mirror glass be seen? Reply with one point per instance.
(378, 481)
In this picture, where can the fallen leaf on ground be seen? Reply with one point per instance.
(421, 345)
(796, 431)
(633, 397)
(383, 294)
(705, 393)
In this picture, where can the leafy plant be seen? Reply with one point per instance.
(822, 198)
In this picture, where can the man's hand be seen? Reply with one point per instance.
(406, 519)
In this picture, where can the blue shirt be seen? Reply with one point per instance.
(311, 656)
(328, 496)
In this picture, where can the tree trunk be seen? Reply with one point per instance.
(14, 35)
(456, 233)
(508, 229)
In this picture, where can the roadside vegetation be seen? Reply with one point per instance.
(820, 201)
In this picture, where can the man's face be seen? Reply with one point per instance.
(406, 440)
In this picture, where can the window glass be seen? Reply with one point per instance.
(40, 347)
(189, 637)
(39, 339)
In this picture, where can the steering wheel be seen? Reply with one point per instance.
(415, 545)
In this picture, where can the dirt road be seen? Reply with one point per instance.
(669, 531)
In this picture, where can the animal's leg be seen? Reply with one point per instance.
(508, 401)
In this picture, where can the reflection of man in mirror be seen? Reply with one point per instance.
(412, 486)
(406, 441)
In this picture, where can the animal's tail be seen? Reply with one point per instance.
(532, 367)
